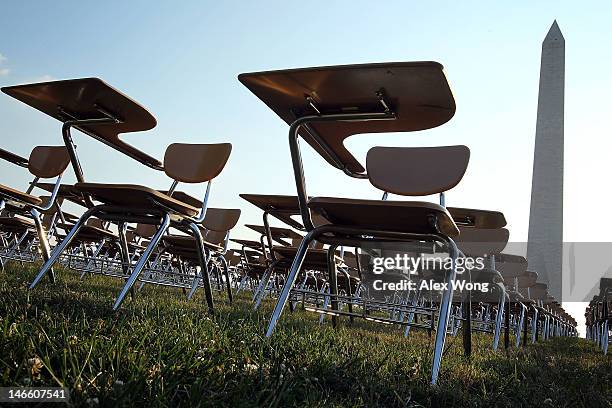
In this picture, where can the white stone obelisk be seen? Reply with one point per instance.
(545, 242)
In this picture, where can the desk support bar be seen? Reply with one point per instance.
(296, 156)
(74, 159)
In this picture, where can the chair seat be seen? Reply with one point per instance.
(526, 280)
(136, 196)
(19, 196)
(477, 242)
(186, 243)
(515, 296)
(136, 247)
(475, 276)
(510, 266)
(492, 295)
(257, 270)
(89, 233)
(486, 275)
(247, 243)
(537, 291)
(15, 224)
(342, 280)
(392, 216)
(315, 258)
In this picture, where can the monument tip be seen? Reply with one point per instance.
(554, 33)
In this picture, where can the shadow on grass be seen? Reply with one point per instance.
(161, 350)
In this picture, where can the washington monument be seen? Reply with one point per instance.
(545, 244)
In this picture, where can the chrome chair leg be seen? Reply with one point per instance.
(142, 261)
(1, 260)
(196, 278)
(507, 323)
(467, 324)
(124, 251)
(534, 325)
(296, 265)
(149, 273)
(412, 312)
(263, 287)
(349, 292)
(260, 292)
(333, 282)
(445, 309)
(228, 281)
(499, 318)
(260, 284)
(15, 247)
(325, 303)
(42, 240)
(92, 262)
(59, 248)
(197, 275)
(242, 283)
(302, 285)
(519, 324)
(605, 337)
(204, 257)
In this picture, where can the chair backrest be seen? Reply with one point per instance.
(318, 219)
(482, 241)
(417, 171)
(233, 258)
(510, 266)
(214, 237)
(605, 284)
(146, 230)
(130, 236)
(221, 219)
(195, 163)
(48, 161)
(96, 223)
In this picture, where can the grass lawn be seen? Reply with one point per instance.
(161, 350)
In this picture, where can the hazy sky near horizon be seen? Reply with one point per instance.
(181, 60)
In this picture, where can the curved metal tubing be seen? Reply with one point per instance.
(296, 156)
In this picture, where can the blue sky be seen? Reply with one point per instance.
(181, 60)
